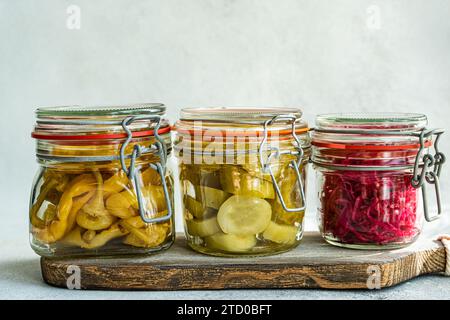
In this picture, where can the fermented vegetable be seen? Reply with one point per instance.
(93, 210)
(244, 215)
(281, 233)
(231, 242)
(369, 207)
(241, 215)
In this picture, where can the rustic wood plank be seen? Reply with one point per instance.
(313, 264)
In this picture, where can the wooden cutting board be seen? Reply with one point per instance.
(313, 264)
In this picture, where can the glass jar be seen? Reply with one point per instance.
(369, 170)
(102, 187)
(242, 173)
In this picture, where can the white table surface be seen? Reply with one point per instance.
(20, 276)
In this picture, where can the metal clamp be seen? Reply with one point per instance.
(132, 172)
(276, 152)
(427, 169)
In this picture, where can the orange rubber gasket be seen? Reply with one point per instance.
(237, 133)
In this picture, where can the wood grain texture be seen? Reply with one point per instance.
(313, 264)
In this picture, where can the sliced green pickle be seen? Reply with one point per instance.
(210, 178)
(231, 242)
(203, 228)
(244, 215)
(237, 181)
(190, 173)
(212, 198)
(203, 175)
(256, 170)
(280, 233)
(193, 206)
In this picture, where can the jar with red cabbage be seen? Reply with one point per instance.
(374, 172)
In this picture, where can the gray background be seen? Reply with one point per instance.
(321, 55)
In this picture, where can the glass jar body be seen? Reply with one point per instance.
(367, 166)
(242, 174)
(368, 209)
(91, 209)
(233, 209)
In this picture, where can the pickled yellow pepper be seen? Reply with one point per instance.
(46, 187)
(57, 228)
(94, 241)
(115, 184)
(94, 215)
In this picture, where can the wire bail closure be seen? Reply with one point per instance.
(275, 152)
(428, 170)
(132, 172)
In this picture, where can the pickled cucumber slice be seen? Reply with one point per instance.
(256, 170)
(244, 215)
(231, 242)
(211, 197)
(210, 178)
(203, 228)
(237, 181)
(193, 206)
(190, 173)
(281, 233)
(205, 175)
(197, 209)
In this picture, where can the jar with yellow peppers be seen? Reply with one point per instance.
(102, 187)
(242, 173)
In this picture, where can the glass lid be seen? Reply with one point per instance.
(213, 127)
(98, 111)
(360, 130)
(241, 120)
(103, 122)
(238, 114)
(372, 121)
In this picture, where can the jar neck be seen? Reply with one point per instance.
(368, 148)
(237, 150)
(364, 158)
(72, 155)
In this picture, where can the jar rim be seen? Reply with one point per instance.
(245, 122)
(369, 131)
(247, 128)
(238, 114)
(101, 110)
(99, 122)
(382, 121)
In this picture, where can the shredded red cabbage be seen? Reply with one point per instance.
(369, 207)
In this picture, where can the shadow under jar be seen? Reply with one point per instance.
(102, 188)
(242, 172)
(370, 169)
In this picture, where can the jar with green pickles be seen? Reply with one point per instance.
(102, 187)
(242, 174)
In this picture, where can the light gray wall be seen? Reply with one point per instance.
(322, 55)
